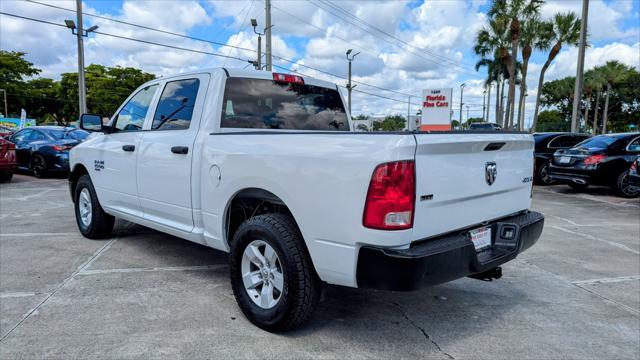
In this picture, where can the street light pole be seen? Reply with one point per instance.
(81, 86)
(349, 86)
(258, 63)
(80, 33)
(577, 95)
(461, 103)
(484, 102)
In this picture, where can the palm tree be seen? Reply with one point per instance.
(613, 72)
(492, 44)
(514, 12)
(534, 35)
(593, 83)
(564, 29)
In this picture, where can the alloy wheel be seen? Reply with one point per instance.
(262, 274)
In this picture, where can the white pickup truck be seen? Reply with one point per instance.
(267, 167)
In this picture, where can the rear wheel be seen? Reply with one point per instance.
(578, 187)
(39, 166)
(92, 221)
(623, 188)
(543, 175)
(271, 272)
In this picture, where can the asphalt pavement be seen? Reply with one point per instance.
(143, 294)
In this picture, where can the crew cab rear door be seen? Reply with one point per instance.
(166, 152)
(467, 178)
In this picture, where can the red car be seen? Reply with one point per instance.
(7, 159)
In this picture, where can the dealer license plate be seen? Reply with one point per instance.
(565, 159)
(481, 238)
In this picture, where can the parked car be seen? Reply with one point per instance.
(7, 159)
(6, 131)
(45, 149)
(634, 174)
(546, 145)
(600, 160)
(485, 126)
(267, 167)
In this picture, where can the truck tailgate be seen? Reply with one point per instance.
(456, 185)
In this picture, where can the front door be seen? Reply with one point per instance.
(116, 155)
(166, 151)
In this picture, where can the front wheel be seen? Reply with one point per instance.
(39, 166)
(272, 276)
(623, 188)
(92, 221)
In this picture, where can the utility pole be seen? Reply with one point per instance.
(82, 90)
(267, 31)
(467, 112)
(461, 103)
(409, 127)
(577, 95)
(349, 86)
(6, 109)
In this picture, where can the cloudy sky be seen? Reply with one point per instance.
(405, 46)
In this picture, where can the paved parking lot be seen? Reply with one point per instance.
(142, 294)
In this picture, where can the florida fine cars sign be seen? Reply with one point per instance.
(436, 109)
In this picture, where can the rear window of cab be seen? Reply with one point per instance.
(267, 104)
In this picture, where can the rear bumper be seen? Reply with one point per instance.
(571, 175)
(447, 257)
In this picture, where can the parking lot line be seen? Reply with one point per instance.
(60, 286)
(38, 234)
(588, 236)
(169, 268)
(19, 295)
(607, 280)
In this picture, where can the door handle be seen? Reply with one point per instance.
(128, 148)
(180, 149)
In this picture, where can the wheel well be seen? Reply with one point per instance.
(251, 202)
(74, 175)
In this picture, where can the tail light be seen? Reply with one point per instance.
(391, 197)
(594, 159)
(288, 78)
(61, 147)
(8, 146)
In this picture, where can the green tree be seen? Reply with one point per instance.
(14, 70)
(514, 12)
(552, 120)
(390, 123)
(534, 35)
(563, 29)
(613, 72)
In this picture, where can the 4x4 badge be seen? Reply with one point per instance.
(490, 172)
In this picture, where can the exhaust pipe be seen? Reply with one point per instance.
(579, 181)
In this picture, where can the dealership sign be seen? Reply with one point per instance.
(436, 109)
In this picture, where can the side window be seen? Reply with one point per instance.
(634, 145)
(131, 116)
(176, 104)
(558, 142)
(22, 135)
(36, 136)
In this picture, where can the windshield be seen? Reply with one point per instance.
(597, 142)
(266, 104)
(75, 134)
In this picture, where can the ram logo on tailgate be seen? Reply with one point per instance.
(490, 172)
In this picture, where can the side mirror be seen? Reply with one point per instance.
(93, 123)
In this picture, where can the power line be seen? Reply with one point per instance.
(207, 41)
(431, 53)
(434, 59)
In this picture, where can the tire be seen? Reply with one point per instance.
(96, 224)
(5, 176)
(542, 175)
(622, 187)
(578, 187)
(300, 284)
(39, 166)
